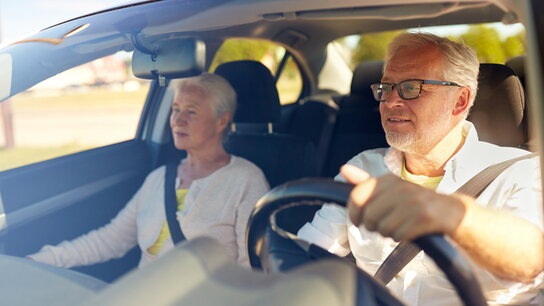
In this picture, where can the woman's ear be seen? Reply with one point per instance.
(223, 121)
(462, 103)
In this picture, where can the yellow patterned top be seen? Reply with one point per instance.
(165, 231)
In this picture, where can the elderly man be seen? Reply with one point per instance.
(408, 190)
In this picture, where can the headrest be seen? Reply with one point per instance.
(258, 100)
(497, 112)
(366, 74)
(518, 65)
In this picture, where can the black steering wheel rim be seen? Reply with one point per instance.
(454, 266)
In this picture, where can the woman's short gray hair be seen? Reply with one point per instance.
(461, 65)
(221, 94)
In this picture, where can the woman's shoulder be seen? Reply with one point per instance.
(241, 164)
(246, 170)
(157, 172)
(156, 175)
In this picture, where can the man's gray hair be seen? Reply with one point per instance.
(461, 65)
(221, 94)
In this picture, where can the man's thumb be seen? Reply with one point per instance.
(354, 175)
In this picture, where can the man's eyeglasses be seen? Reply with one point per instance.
(407, 89)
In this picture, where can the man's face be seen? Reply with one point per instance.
(416, 126)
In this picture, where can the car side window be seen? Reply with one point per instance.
(275, 57)
(89, 106)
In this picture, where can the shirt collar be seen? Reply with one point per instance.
(393, 159)
(456, 168)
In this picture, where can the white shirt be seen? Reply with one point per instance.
(516, 190)
(216, 206)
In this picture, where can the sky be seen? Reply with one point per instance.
(20, 18)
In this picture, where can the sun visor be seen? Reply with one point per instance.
(169, 59)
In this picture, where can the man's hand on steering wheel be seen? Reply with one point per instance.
(399, 209)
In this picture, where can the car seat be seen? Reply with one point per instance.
(358, 126)
(498, 111)
(282, 157)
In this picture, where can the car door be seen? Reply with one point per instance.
(93, 120)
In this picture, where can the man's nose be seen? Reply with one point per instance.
(394, 99)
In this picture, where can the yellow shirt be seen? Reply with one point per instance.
(430, 182)
(165, 231)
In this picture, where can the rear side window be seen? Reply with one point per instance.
(288, 76)
(89, 106)
(493, 42)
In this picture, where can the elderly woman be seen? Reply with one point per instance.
(215, 191)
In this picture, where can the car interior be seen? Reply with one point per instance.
(59, 199)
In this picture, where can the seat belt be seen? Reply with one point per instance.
(406, 251)
(326, 134)
(171, 204)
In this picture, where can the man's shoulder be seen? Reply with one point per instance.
(482, 155)
(372, 155)
(490, 153)
(372, 161)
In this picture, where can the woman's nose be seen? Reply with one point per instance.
(179, 119)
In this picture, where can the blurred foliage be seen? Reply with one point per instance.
(514, 45)
(486, 40)
(270, 54)
(372, 47)
(243, 49)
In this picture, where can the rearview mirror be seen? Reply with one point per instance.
(169, 59)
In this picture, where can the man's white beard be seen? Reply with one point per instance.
(421, 141)
(404, 142)
(414, 141)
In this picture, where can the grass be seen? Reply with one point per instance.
(91, 102)
(13, 158)
(96, 98)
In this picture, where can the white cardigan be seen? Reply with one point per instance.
(217, 206)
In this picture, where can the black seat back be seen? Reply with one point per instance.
(255, 87)
(358, 125)
(282, 157)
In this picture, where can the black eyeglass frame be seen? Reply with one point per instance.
(421, 82)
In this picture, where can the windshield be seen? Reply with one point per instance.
(75, 42)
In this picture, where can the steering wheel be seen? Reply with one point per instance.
(273, 248)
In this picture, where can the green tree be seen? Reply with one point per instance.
(514, 45)
(242, 49)
(485, 40)
(372, 47)
(487, 43)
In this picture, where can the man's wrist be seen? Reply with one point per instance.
(466, 207)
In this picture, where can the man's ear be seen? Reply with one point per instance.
(462, 103)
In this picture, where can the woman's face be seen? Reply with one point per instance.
(193, 120)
